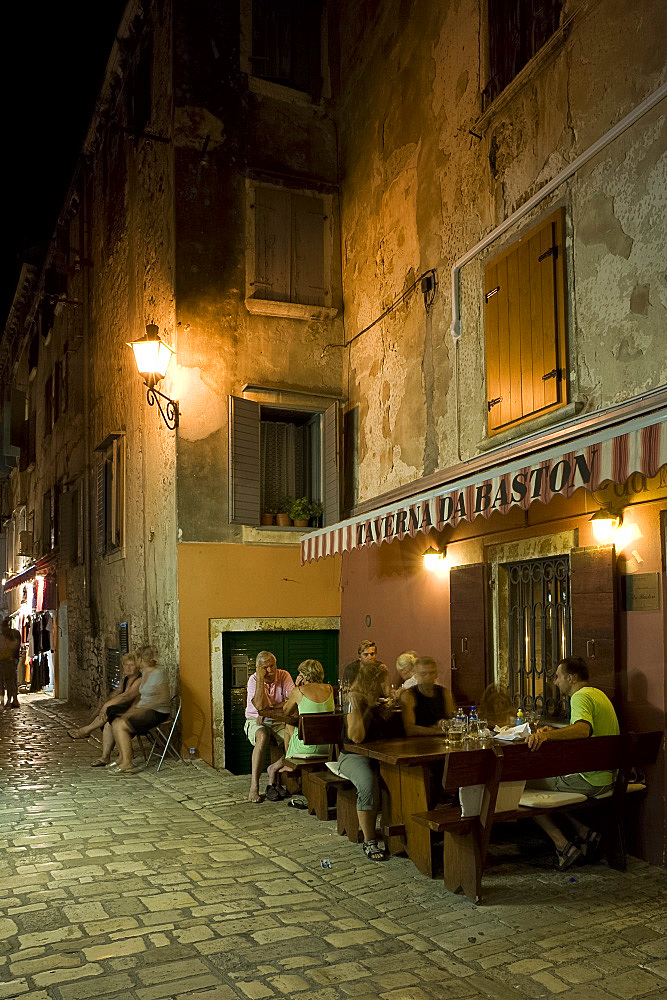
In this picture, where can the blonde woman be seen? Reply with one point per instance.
(405, 668)
(151, 708)
(119, 702)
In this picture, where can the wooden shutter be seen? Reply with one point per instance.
(330, 456)
(593, 600)
(525, 327)
(271, 279)
(467, 609)
(65, 527)
(306, 70)
(243, 461)
(307, 278)
(100, 477)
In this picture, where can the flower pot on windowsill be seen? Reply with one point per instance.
(283, 520)
(267, 519)
(301, 523)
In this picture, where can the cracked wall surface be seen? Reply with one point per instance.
(419, 190)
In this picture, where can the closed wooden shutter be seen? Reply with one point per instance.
(273, 231)
(525, 327)
(331, 475)
(467, 609)
(65, 508)
(593, 599)
(307, 284)
(244, 462)
(100, 505)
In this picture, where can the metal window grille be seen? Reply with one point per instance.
(539, 632)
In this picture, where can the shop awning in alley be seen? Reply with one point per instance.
(40, 567)
(610, 454)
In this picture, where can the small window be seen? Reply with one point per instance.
(286, 45)
(110, 513)
(276, 453)
(50, 519)
(48, 405)
(525, 327)
(71, 527)
(517, 30)
(288, 267)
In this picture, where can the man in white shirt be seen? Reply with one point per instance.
(268, 687)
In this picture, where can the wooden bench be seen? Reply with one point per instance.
(466, 839)
(317, 784)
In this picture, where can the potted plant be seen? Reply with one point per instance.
(303, 509)
(268, 517)
(283, 515)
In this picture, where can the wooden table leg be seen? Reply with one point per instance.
(415, 798)
(392, 816)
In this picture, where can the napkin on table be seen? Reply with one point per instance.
(514, 734)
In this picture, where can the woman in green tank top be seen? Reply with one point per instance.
(310, 695)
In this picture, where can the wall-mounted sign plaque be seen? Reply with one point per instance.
(641, 592)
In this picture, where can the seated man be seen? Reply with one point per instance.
(268, 687)
(367, 653)
(10, 646)
(591, 714)
(425, 704)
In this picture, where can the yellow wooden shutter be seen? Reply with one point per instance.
(525, 326)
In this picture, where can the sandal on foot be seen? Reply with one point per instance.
(568, 856)
(76, 734)
(589, 845)
(99, 763)
(372, 850)
(272, 793)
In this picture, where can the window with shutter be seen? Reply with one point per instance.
(278, 453)
(48, 405)
(110, 495)
(286, 45)
(524, 292)
(517, 31)
(288, 270)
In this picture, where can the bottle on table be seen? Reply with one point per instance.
(473, 723)
(520, 717)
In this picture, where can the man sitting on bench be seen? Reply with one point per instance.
(591, 714)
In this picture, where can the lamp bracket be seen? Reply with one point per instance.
(170, 412)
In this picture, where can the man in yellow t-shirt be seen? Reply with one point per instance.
(591, 714)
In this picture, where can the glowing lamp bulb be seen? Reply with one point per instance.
(604, 524)
(433, 559)
(152, 355)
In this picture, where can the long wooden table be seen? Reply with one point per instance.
(410, 768)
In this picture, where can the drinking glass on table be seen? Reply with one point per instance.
(484, 733)
(456, 732)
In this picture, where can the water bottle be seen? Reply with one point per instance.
(463, 719)
(520, 718)
(473, 723)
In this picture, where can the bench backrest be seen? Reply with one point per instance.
(320, 728)
(598, 753)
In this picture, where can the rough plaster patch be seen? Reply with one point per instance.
(627, 350)
(639, 299)
(599, 225)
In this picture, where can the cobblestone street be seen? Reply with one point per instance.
(173, 885)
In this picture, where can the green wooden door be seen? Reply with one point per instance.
(239, 650)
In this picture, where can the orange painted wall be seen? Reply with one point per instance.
(239, 581)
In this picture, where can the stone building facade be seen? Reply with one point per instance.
(426, 240)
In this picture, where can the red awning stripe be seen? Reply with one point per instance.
(588, 463)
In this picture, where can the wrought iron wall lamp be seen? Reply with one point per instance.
(153, 356)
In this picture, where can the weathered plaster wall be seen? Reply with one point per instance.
(235, 581)
(132, 246)
(221, 346)
(418, 190)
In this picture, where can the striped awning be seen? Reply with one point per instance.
(603, 456)
(42, 565)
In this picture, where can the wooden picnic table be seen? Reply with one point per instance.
(410, 768)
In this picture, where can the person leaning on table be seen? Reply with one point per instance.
(591, 714)
(366, 720)
(426, 705)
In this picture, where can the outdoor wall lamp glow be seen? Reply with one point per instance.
(153, 356)
(434, 559)
(604, 524)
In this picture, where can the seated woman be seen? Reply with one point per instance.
(152, 707)
(405, 668)
(496, 707)
(310, 695)
(426, 704)
(119, 702)
(365, 720)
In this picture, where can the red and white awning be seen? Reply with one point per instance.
(606, 455)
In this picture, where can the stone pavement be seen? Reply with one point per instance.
(172, 885)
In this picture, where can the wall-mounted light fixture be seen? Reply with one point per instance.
(604, 523)
(153, 356)
(434, 559)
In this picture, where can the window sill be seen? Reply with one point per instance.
(531, 426)
(290, 310)
(272, 535)
(115, 556)
(282, 92)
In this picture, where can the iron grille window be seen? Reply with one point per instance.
(539, 632)
(517, 30)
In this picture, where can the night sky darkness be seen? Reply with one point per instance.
(54, 57)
